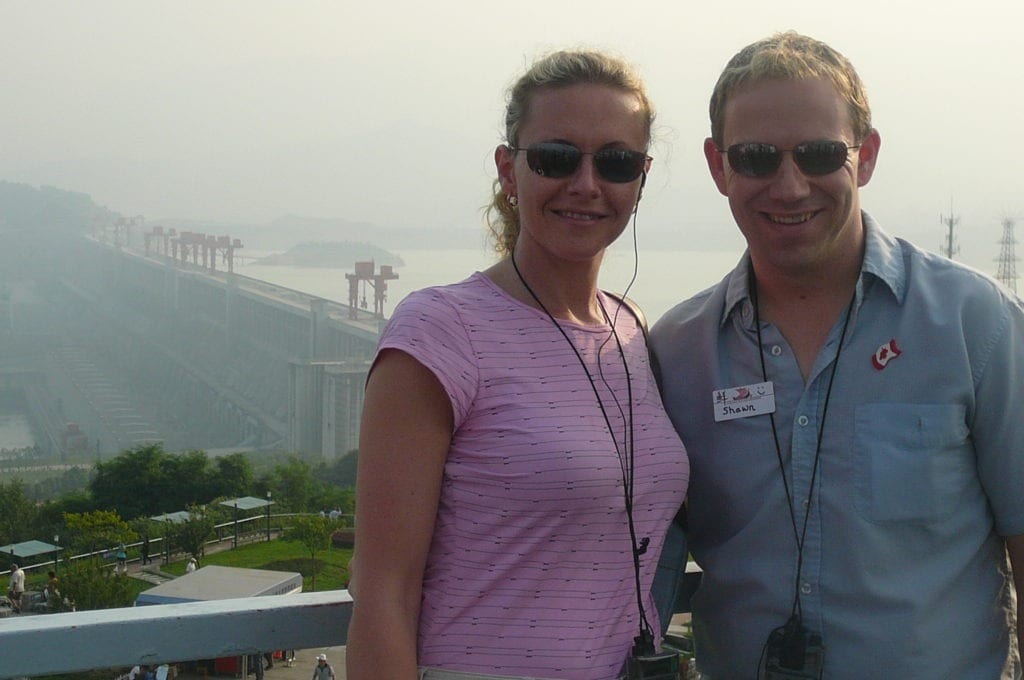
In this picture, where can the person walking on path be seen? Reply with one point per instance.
(17, 587)
(323, 670)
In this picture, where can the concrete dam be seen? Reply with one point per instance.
(109, 347)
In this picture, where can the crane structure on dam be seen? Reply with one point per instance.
(364, 274)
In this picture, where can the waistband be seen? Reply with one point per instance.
(442, 674)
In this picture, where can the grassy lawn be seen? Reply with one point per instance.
(281, 555)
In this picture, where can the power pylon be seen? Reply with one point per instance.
(1007, 271)
(950, 248)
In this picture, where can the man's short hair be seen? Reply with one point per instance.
(791, 56)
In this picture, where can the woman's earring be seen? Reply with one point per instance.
(513, 201)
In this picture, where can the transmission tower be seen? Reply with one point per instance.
(1007, 271)
(950, 248)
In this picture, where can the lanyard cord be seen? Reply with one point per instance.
(626, 463)
(801, 534)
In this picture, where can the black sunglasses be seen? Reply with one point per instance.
(815, 158)
(557, 160)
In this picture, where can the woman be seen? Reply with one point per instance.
(517, 472)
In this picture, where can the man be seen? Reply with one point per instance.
(17, 587)
(849, 404)
(255, 663)
(323, 670)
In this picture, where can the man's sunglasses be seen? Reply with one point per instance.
(557, 160)
(815, 158)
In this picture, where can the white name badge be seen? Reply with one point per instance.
(744, 401)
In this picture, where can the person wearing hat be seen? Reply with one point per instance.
(191, 566)
(323, 670)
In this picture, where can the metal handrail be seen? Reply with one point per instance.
(169, 633)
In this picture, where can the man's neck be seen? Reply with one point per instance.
(805, 309)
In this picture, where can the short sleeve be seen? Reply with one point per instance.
(427, 326)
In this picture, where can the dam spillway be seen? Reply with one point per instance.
(135, 348)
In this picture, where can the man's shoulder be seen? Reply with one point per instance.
(706, 307)
(951, 279)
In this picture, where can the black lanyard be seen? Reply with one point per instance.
(626, 462)
(798, 534)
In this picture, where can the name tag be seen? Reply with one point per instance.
(743, 402)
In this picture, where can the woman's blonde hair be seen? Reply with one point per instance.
(564, 68)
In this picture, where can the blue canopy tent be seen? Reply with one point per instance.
(248, 503)
(26, 549)
(171, 518)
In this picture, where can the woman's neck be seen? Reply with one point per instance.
(567, 291)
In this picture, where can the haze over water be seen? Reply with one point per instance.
(664, 277)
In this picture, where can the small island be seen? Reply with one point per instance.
(338, 255)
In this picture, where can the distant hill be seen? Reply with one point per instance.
(49, 209)
(289, 230)
(333, 254)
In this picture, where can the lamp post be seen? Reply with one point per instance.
(56, 553)
(235, 544)
(268, 516)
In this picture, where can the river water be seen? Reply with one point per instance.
(663, 277)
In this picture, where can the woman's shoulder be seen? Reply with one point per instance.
(475, 287)
(475, 295)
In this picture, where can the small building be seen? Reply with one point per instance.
(222, 583)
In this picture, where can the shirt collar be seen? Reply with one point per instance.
(883, 260)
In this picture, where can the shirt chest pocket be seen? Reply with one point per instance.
(911, 461)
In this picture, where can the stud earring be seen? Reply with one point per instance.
(513, 200)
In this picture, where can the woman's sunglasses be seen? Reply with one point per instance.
(816, 158)
(557, 160)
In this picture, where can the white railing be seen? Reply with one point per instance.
(113, 638)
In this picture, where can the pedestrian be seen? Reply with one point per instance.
(256, 664)
(191, 566)
(16, 588)
(323, 670)
(848, 403)
(51, 594)
(511, 520)
(122, 558)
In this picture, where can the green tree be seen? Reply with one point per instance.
(96, 530)
(147, 481)
(233, 476)
(292, 485)
(192, 534)
(342, 470)
(132, 483)
(90, 584)
(17, 513)
(186, 479)
(314, 532)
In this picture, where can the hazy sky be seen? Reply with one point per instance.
(388, 112)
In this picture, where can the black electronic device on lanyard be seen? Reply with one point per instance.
(792, 651)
